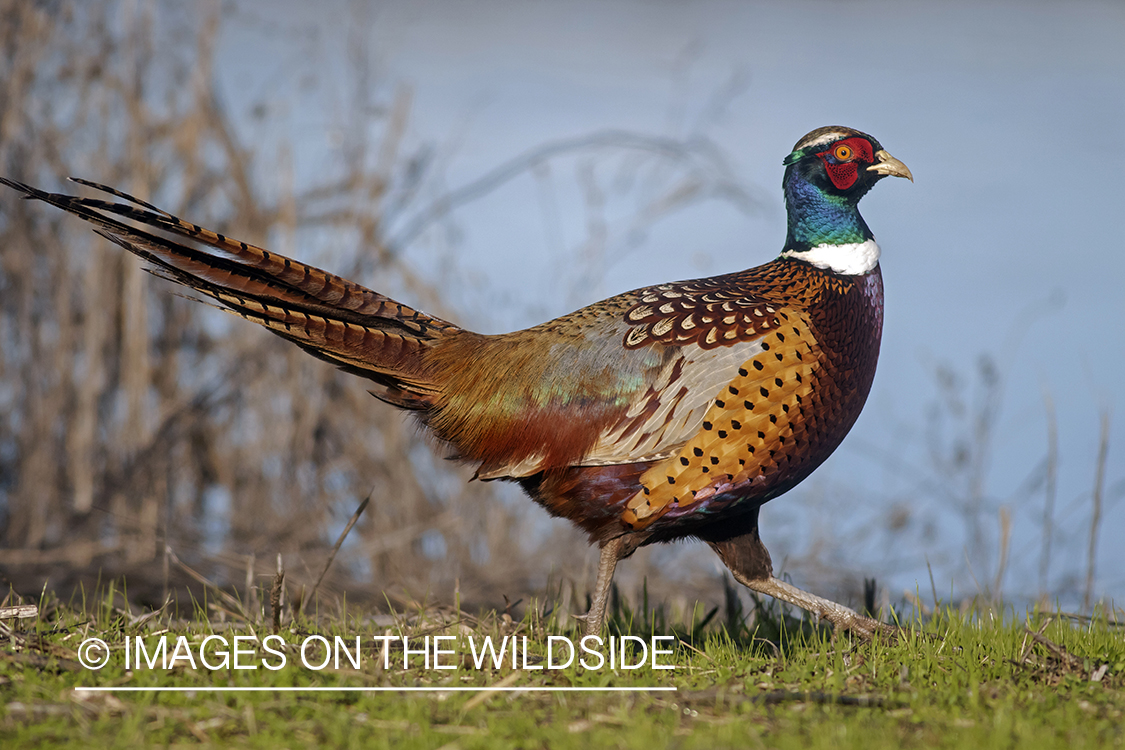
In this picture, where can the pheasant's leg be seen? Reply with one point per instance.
(843, 618)
(749, 562)
(612, 551)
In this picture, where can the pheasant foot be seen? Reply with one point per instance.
(841, 617)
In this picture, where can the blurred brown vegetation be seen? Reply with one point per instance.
(129, 418)
(139, 431)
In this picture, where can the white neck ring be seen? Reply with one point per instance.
(850, 259)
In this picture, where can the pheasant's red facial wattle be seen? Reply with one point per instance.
(842, 161)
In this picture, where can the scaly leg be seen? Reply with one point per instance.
(741, 549)
(841, 617)
(612, 551)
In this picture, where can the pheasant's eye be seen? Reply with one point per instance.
(842, 152)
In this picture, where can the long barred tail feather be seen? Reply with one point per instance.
(353, 327)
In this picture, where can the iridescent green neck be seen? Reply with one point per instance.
(817, 217)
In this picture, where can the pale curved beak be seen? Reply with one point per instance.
(888, 165)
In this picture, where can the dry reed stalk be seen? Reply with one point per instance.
(1050, 491)
(1005, 546)
(1096, 515)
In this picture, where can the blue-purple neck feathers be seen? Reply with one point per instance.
(817, 217)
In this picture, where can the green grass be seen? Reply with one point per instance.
(954, 681)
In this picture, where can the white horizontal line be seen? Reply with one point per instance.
(134, 689)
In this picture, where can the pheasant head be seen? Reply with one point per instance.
(827, 173)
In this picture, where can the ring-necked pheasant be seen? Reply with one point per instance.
(666, 412)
